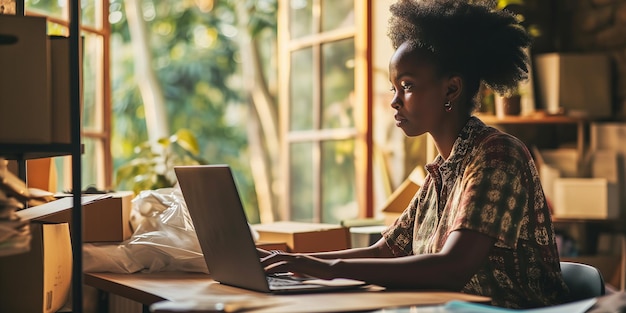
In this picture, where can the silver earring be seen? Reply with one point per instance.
(447, 106)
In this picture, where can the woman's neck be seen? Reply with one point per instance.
(446, 137)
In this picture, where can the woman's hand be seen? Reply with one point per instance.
(299, 264)
(262, 252)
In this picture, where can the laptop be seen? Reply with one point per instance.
(229, 250)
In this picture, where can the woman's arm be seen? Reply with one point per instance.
(380, 249)
(461, 257)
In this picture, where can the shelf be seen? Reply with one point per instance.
(24, 151)
(531, 119)
(14, 151)
(537, 118)
(613, 224)
(540, 118)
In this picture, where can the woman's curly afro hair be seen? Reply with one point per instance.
(469, 38)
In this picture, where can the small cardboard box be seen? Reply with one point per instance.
(38, 280)
(106, 218)
(305, 237)
(565, 160)
(401, 197)
(281, 246)
(585, 198)
(610, 136)
(580, 83)
(60, 89)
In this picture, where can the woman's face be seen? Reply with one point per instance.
(419, 92)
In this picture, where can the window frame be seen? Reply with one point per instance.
(362, 130)
(101, 135)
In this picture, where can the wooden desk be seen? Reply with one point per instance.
(155, 287)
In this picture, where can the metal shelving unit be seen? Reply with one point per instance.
(24, 152)
(76, 151)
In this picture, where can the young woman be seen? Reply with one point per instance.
(480, 224)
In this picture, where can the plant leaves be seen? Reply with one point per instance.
(186, 140)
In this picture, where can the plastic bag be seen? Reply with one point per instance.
(164, 239)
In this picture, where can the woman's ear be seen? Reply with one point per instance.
(455, 88)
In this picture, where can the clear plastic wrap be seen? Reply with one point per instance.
(164, 239)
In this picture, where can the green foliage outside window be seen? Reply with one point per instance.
(197, 62)
(153, 168)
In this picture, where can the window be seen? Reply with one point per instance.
(325, 110)
(97, 166)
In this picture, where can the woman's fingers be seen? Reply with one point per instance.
(278, 263)
(297, 265)
(277, 267)
(273, 258)
(262, 252)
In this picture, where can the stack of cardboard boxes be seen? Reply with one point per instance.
(41, 63)
(39, 280)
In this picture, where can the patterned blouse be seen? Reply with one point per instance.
(489, 184)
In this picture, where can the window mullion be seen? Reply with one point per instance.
(317, 124)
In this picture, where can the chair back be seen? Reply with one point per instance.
(584, 281)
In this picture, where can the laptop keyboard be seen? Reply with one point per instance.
(280, 281)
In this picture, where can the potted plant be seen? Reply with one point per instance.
(520, 99)
(511, 104)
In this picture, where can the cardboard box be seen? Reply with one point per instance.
(402, 196)
(579, 83)
(106, 218)
(38, 280)
(565, 160)
(60, 89)
(604, 164)
(554, 164)
(585, 198)
(281, 246)
(305, 237)
(25, 81)
(610, 136)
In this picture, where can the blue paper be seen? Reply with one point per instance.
(469, 307)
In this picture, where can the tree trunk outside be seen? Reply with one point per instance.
(149, 87)
(262, 128)
(263, 125)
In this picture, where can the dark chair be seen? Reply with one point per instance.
(584, 281)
